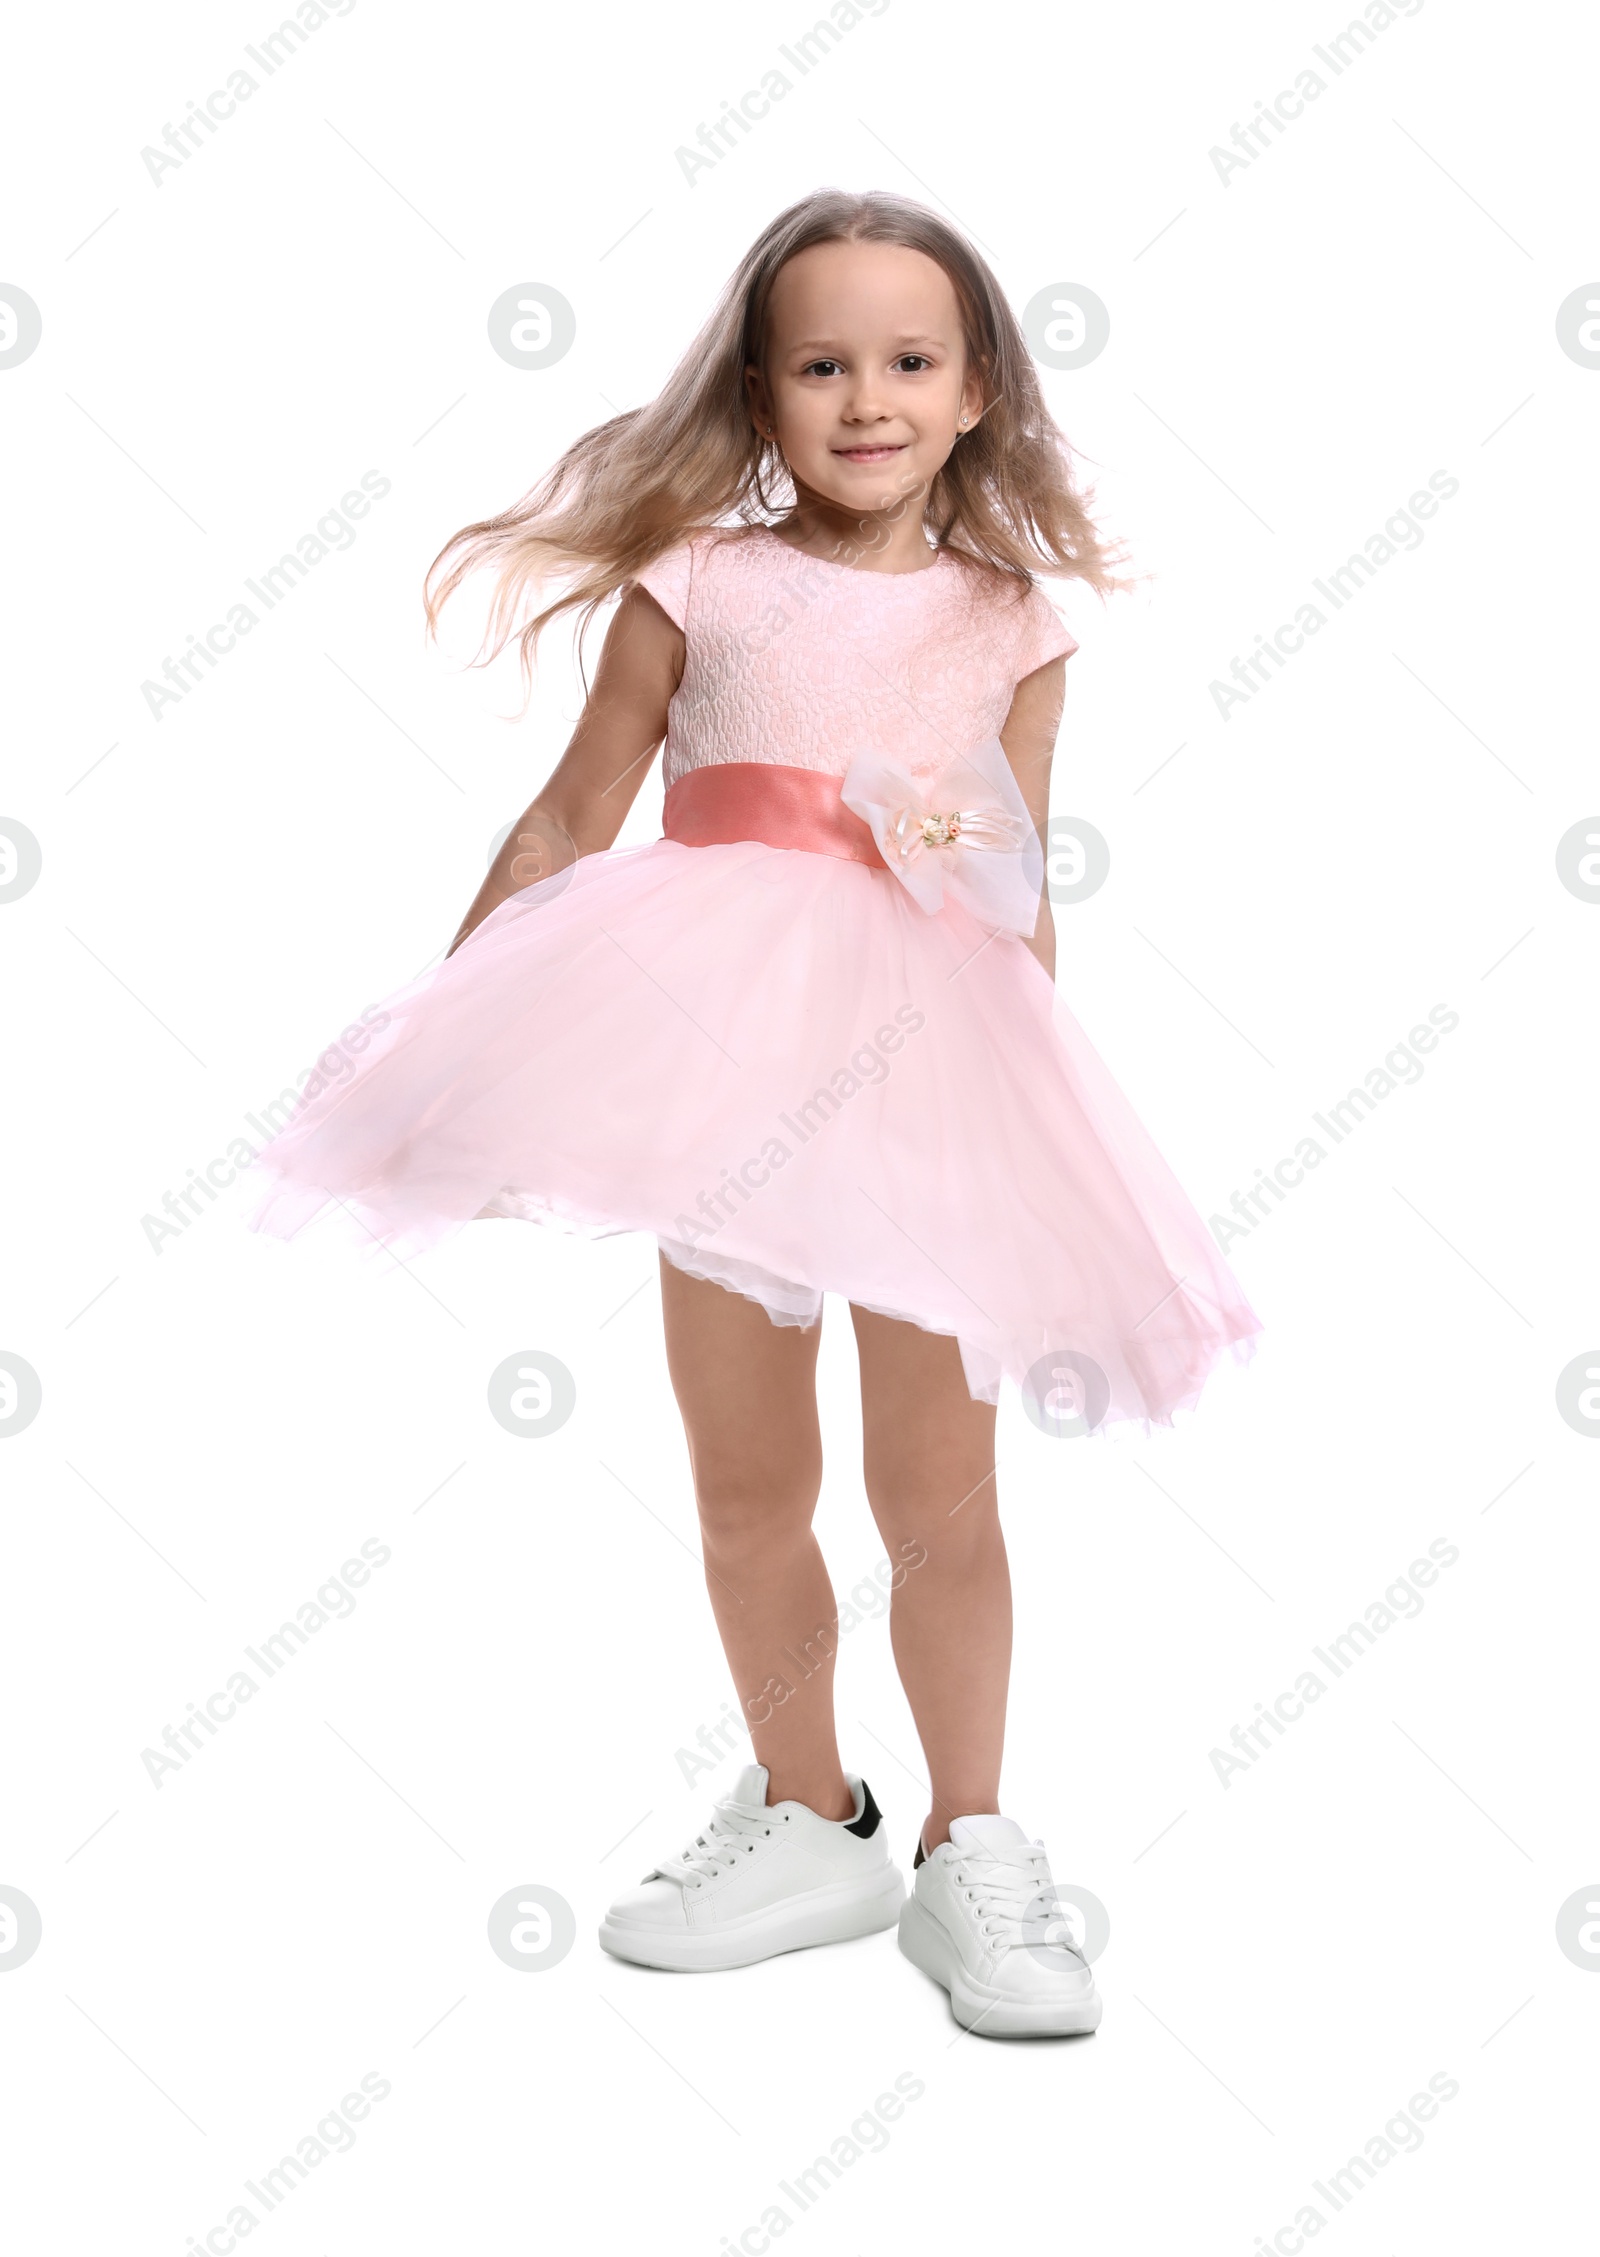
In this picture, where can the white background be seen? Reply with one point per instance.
(1293, 1954)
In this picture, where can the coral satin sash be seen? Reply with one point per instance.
(769, 803)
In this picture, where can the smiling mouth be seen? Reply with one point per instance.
(869, 454)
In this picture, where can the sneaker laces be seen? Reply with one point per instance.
(725, 1839)
(1013, 1899)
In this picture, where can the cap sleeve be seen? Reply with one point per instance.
(1041, 636)
(667, 579)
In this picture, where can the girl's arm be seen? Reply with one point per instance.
(594, 783)
(1029, 739)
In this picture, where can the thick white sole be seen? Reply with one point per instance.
(831, 1915)
(977, 2007)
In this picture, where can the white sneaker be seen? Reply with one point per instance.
(761, 1879)
(982, 1920)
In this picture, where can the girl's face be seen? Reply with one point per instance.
(866, 372)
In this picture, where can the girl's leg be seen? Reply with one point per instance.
(929, 1464)
(747, 1390)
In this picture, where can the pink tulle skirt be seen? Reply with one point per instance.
(798, 1082)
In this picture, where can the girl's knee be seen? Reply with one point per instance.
(945, 1507)
(746, 1511)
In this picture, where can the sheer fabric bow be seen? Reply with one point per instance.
(965, 835)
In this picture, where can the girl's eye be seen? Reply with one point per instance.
(913, 363)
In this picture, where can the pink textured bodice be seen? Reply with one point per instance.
(804, 663)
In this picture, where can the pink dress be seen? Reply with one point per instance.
(799, 1040)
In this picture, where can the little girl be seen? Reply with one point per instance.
(808, 1040)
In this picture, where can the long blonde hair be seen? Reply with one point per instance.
(692, 461)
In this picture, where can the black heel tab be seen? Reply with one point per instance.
(871, 1816)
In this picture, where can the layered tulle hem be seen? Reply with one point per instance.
(797, 1082)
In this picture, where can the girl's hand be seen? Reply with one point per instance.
(582, 805)
(1029, 739)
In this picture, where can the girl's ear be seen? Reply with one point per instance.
(761, 414)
